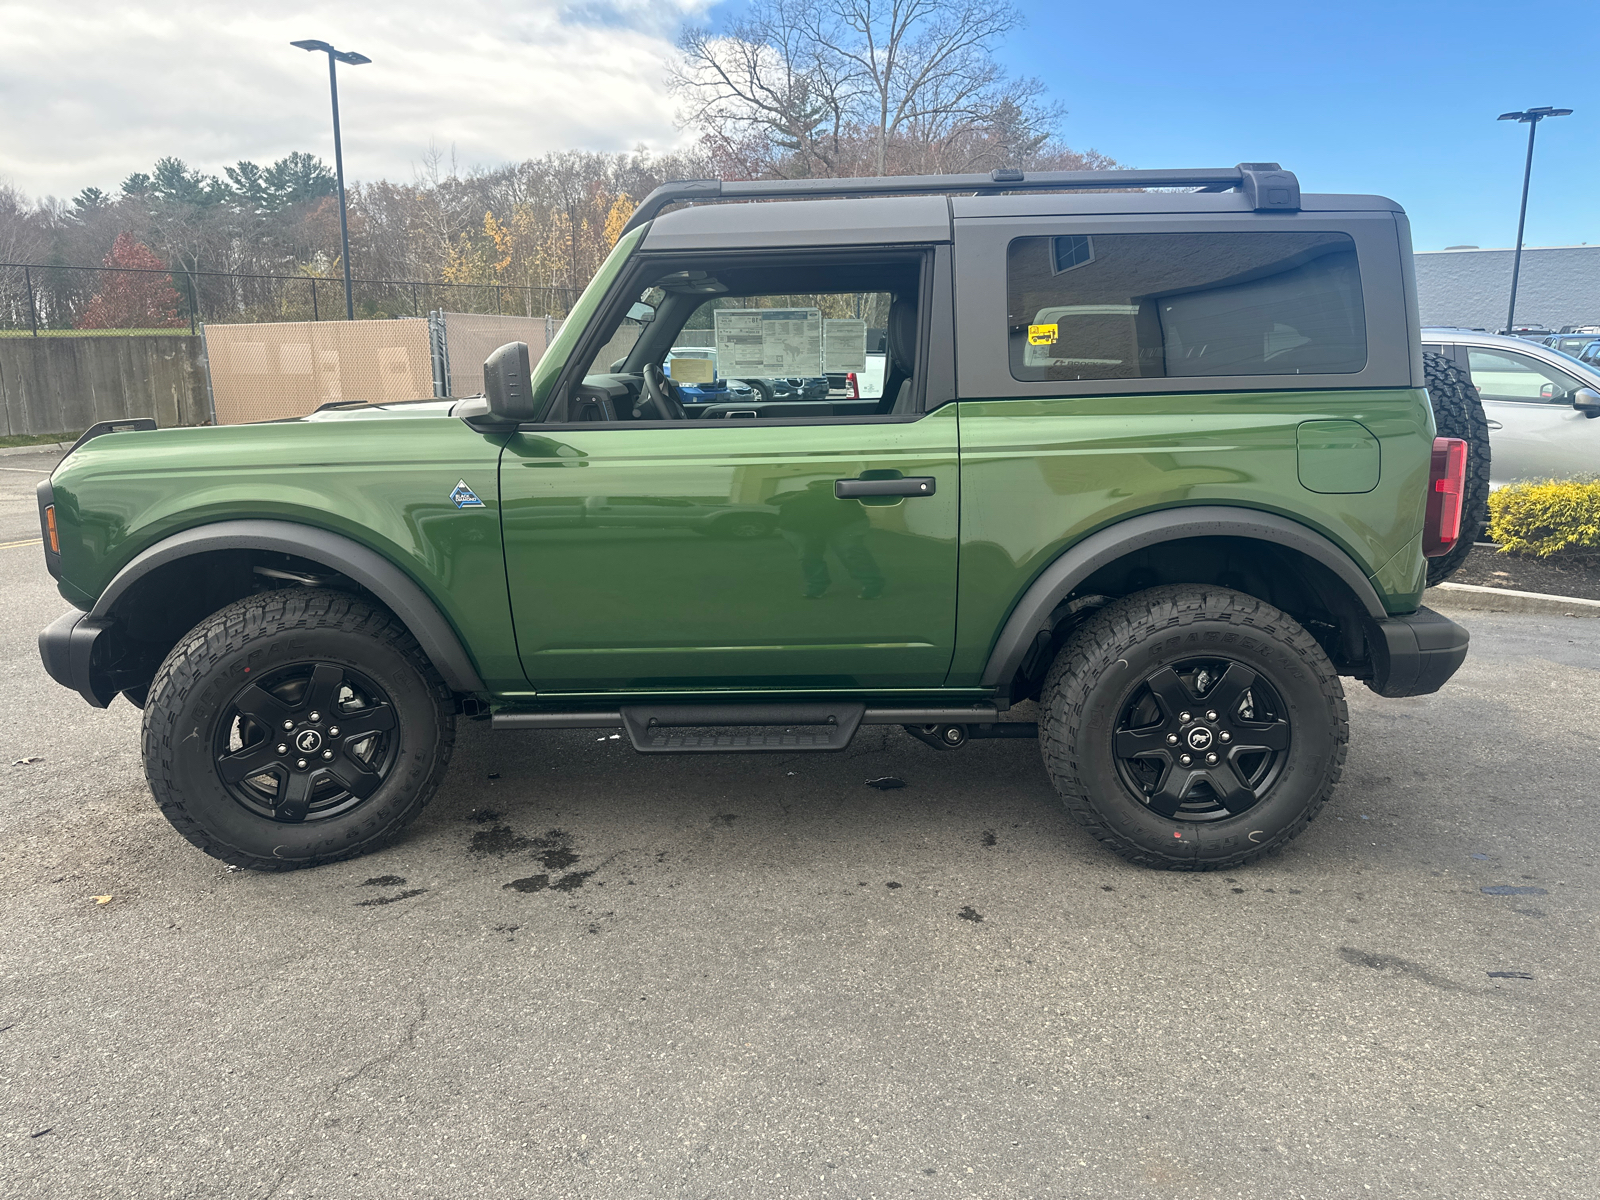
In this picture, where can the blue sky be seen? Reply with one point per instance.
(1355, 96)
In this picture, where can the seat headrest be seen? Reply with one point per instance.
(902, 333)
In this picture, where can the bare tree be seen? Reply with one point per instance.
(925, 66)
(770, 73)
(915, 80)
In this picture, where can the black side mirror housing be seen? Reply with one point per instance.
(1586, 401)
(506, 383)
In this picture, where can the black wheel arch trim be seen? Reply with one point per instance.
(377, 574)
(1105, 546)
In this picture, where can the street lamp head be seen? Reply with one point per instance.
(345, 56)
(1533, 116)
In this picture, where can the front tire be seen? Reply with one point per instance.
(1193, 728)
(296, 728)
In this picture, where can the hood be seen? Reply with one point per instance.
(356, 410)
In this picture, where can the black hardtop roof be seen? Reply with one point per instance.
(1266, 187)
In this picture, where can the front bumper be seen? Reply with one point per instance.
(1415, 655)
(68, 647)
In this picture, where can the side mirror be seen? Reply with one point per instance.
(642, 313)
(506, 375)
(1587, 401)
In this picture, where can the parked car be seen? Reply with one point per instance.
(1570, 343)
(868, 383)
(1174, 510)
(791, 388)
(1541, 404)
(1534, 333)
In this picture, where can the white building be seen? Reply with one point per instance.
(1469, 287)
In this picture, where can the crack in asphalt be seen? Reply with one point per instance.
(406, 1042)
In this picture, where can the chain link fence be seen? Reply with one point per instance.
(38, 299)
(461, 341)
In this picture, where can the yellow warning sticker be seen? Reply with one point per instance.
(1042, 335)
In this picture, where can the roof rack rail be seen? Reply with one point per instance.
(1267, 186)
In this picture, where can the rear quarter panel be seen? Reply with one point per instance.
(1039, 475)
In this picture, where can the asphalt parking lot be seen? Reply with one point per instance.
(760, 977)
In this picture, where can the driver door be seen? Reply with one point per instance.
(693, 555)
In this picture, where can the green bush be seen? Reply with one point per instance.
(1554, 517)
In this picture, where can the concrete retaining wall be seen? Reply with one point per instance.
(61, 384)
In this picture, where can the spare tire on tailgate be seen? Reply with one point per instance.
(1458, 413)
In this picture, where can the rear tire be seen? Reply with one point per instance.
(295, 728)
(1458, 413)
(1260, 698)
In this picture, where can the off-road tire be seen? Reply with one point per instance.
(1458, 413)
(1104, 663)
(249, 639)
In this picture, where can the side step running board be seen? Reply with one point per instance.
(652, 728)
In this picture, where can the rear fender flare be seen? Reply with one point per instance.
(365, 566)
(1105, 546)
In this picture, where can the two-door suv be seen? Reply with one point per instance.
(1160, 460)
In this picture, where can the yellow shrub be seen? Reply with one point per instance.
(1546, 518)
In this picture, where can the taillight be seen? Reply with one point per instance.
(850, 382)
(50, 529)
(1446, 482)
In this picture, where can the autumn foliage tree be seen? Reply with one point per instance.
(138, 296)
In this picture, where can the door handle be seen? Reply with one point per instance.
(913, 485)
(1494, 425)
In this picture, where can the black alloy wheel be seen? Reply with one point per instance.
(296, 727)
(309, 742)
(1191, 727)
(1202, 739)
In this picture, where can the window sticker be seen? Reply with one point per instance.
(769, 342)
(1043, 335)
(844, 344)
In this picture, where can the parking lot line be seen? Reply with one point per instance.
(14, 545)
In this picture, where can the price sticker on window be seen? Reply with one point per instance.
(1043, 335)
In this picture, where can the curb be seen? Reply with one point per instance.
(1503, 600)
(41, 448)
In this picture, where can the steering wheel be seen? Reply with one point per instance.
(658, 395)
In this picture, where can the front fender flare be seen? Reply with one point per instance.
(397, 590)
(1083, 559)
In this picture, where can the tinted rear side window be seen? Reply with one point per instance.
(1181, 305)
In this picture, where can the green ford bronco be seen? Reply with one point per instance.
(1161, 461)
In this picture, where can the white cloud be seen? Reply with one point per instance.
(95, 89)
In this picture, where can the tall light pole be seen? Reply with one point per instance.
(1531, 119)
(335, 57)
